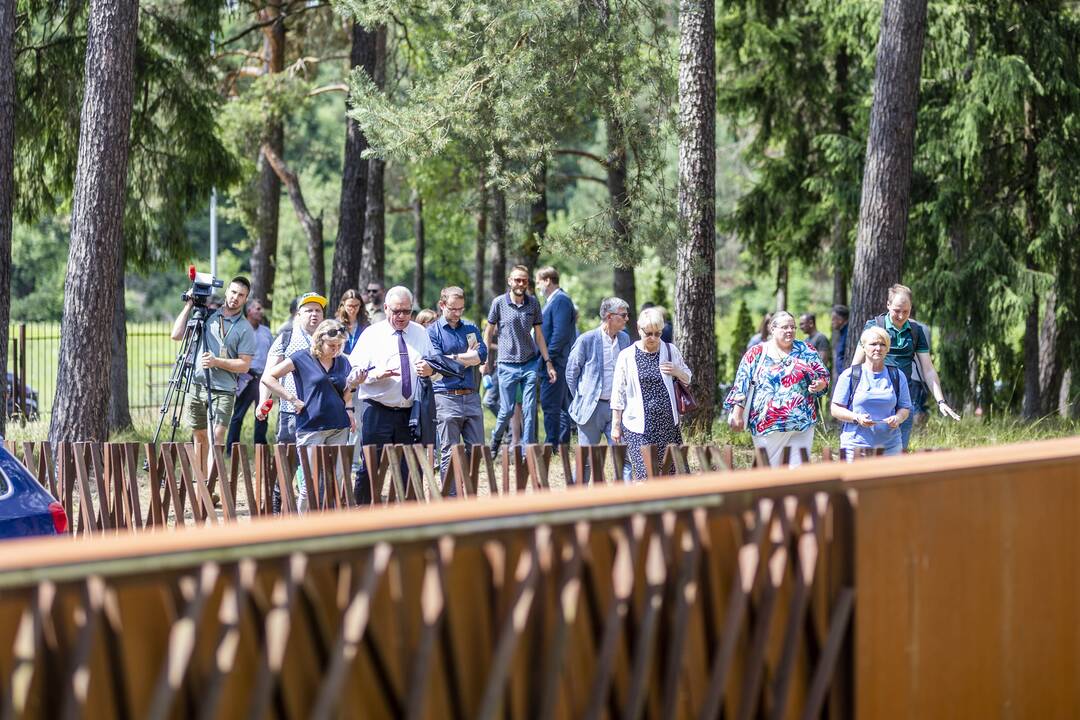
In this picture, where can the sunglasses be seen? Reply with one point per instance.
(336, 331)
(655, 334)
(398, 313)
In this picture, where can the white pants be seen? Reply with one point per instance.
(775, 442)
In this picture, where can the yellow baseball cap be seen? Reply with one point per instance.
(311, 298)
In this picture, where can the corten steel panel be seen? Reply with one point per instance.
(968, 603)
(664, 600)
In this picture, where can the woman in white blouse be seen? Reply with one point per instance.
(643, 392)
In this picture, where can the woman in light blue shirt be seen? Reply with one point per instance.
(871, 400)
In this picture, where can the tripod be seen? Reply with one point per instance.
(182, 376)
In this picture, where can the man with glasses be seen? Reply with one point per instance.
(391, 352)
(514, 323)
(590, 372)
(373, 301)
(457, 404)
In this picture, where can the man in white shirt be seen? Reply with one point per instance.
(392, 353)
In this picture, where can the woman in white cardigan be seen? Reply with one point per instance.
(643, 392)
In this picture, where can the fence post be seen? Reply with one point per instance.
(22, 375)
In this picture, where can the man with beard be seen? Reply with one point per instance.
(515, 331)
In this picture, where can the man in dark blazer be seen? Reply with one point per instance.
(590, 373)
(560, 331)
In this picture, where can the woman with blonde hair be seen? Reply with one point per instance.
(643, 410)
(323, 395)
(871, 399)
(775, 392)
(908, 346)
(352, 314)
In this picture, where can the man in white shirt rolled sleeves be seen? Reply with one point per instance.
(392, 352)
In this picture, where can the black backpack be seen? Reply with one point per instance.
(856, 377)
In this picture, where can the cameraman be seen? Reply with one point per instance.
(228, 345)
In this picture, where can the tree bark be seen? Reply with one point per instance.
(264, 254)
(782, 284)
(119, 409)
(1032, 407)
(7, 184)
(349, 245)
(624, 284)
(886, 188)
(373, 264)
(538, 220)
(498, 241)
(80, 408)
(1051, 365)
(313, 226)
(480, 254)
(696, 259)
(418, 231)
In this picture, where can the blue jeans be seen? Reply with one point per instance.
(918, 400)
(510, 376)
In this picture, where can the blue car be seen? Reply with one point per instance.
(26, 508)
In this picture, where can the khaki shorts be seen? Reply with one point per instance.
(195, 407)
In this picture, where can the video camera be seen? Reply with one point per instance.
(202, 287)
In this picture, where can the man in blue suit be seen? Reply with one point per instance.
(559, 328)
(590, 372)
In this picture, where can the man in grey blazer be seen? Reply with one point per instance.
(589, 373)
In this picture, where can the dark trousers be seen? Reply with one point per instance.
(248, 397)
(381, 425)
(555, 402)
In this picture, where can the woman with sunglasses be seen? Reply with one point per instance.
(775, 392)
(323, 394)
(643, 392)
(353, 316)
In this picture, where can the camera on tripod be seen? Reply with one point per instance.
(202, 287)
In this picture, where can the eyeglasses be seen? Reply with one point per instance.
(622, 315)
(369, 291)
(451, 308)
(654, 334)
(519, 281)
(399, 313)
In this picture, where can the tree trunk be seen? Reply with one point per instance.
(313, 226)
(498, 241)
(418, 231)
(349, 245)
(1051, 365)
(841, 248)
(624, 284)
(263, 255)
(7, 184)
(80, 408)
(782, 284)
(538, 221)
(1032, 407)
(480, 255)
(886, 188)
(119, 410)
(373, 264)
(695, 278)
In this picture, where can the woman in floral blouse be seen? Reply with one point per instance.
(779, 381)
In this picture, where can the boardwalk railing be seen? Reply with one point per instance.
(931, 585)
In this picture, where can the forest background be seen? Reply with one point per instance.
(481, 134)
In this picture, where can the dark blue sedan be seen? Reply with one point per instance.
(26, 508)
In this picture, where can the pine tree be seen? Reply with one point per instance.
(7, 182)
(740, 337)
(82, 386)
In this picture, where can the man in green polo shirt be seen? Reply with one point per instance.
(228, 346)
(909, 344)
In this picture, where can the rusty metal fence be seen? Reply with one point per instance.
(33, 359)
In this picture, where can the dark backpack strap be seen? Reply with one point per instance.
(853, 382)
(286, 338)
(880, 321)
(894, 378)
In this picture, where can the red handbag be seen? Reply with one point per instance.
(684, 400)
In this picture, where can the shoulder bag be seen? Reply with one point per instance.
(684, 400)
